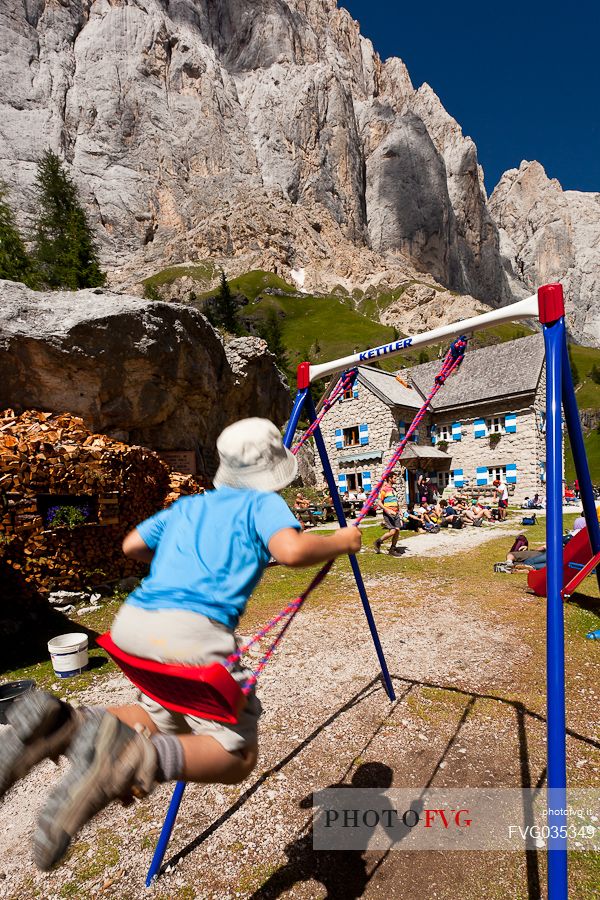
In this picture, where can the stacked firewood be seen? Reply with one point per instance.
(182, 485)
(52, 461)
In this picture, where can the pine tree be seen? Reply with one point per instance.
(151, 292)
(270, 330)
(222, 311)
(65, 250)
(595, 374)
(15, 263)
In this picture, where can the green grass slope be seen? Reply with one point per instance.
(592, 449)
(587, 391)
(204, 273)
(322, 327)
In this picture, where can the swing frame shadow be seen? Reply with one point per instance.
(405, 685)
(547, 306)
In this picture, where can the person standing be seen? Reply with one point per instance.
(501, 492)
(389, 503)
(430, 491)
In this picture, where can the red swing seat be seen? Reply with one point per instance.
(209, 692)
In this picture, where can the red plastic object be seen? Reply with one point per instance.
(209, 692)
(580, 575)
(551, 302)
(303, 375)
(577, 550)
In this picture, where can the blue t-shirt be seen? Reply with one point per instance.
(210, 551)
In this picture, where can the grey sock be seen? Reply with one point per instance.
(169, 750)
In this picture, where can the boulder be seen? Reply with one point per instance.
(155, 374)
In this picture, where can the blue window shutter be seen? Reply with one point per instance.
(339, 439)
(511, 473)
(456, 431)
(342, 486)
(363, 434)
(415, 436)
(366, 481)
(433, 434)
(401, 430)
(479, 428)
(542, 472)
(355, 390)
(510, 423)
(482, 475)
(459, 479)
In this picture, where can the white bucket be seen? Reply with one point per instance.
(69, 654)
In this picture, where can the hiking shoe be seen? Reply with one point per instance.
(42, 728)
(377, 545)
(109, 761)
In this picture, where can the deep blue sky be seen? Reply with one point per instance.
(521, 78)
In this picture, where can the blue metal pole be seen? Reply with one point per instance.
(165, 834)
(554, 338)
(292, 424)
(339, 510)
(579, 455)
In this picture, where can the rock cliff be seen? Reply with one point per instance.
(156, 374)
(548, 234)
(264, 129)
(254, 133)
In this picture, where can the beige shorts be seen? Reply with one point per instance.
(174, 635)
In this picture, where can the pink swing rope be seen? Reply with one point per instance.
(452, 361)
(346, 380)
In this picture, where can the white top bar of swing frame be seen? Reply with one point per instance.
(522, 309)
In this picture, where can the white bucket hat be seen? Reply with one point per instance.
(252, 456)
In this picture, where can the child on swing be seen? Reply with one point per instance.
(207, 554)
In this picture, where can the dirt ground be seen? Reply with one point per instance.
(466, 651)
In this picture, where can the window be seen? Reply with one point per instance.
(354, 480)
(496, 472)
(445, 433)
(496, 425)
(444, 479)
(348, 393)
(351, 438)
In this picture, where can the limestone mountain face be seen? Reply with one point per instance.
(422, 307)
(254, 133)
(150, 373)
(261, 129)
(548, 234)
